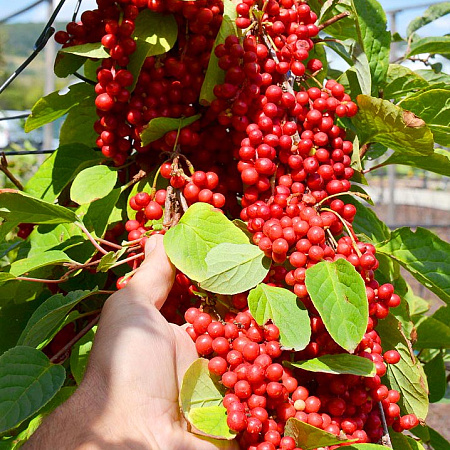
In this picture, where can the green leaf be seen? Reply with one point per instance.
(52, 106)
(214, 74)
(337, 364)
(400, 81)
(424, 255)
(91, 50)
(21, 207)
(212, 421)
(13, 319)
(27, 382)
(99, 214)
(269, 302)
(373, 38)
(55, 237)
(159, 126)
(49, 316)
(158, 30)
(402, 442)
(67, 64)
(160, 40)
(60, 169)
(430, 15)
(5, 277)
(339, 295)
(52, 257)
(342, 29)
(199, 230)
(381, 121)
(433, 45)
(437, 380)
(407, 375)
(92, 184)
(109, 260)
(79, 355)
(365, 447)
(367, 222)
(431, 437)
(432, 77)
(438, 162)
(234, 268)
(78, 128)
(308, 437)
(434, 331)
(432, 106)
(198, 388)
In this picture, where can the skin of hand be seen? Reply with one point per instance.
(129, 396)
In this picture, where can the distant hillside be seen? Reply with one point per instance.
(18, 39)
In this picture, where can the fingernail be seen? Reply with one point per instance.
(150, 245)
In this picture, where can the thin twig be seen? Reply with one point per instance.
(6, 171)
(74, 340)
(126, 260)
(109, 243)
(364, 148)
(333, 20)
(91, 238)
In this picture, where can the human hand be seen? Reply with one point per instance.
(129, 396)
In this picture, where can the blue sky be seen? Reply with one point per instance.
(440, 27)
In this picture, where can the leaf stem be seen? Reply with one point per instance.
(131, 258)
(138, 177)
(75, 339)
(109, 243)
(81, 226)
(333, 20)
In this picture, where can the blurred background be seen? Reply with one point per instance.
(403, 196)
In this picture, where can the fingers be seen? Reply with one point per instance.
(154, 279)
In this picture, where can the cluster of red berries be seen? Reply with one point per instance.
(262, 393)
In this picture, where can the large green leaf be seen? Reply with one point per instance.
(212, 421)
(67, 64)
(60, 169)
(424, 255)
(92, 184)
(90, 50)
(49, 316)
(198, 388)
(214, 74)
(338, 364)
(438, 162)
(163, 35)
(436, 377)
(27, 382)
(159, 126)
(20, 207)
(200, 229)
(234, 268)
(310, 438)
(381, 121)
(432, 77)
(80, 353)
(55, 237)
(400, 81)
(434, 331)
(339, 295)
(431, 437)
(402, 442)
(54, 105)
(433, 106)
(78, 128)
(280, 305)
(435, 44)
(373, 38)
(52, 257)
(407, 376)
(430, 15)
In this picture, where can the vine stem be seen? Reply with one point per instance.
(386, 439)
(109, 243)
(91, 238)
(75, 339)
(6, 171)
(138, 177)
(333, 20)
(131, 258)
(378, 166)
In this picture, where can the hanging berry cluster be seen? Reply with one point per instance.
(268, 150)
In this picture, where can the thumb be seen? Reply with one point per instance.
(154, 279)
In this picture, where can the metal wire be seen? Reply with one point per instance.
(25, 152)
(24, 10)
(76, 10)
(40, 43)
(20, 116)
